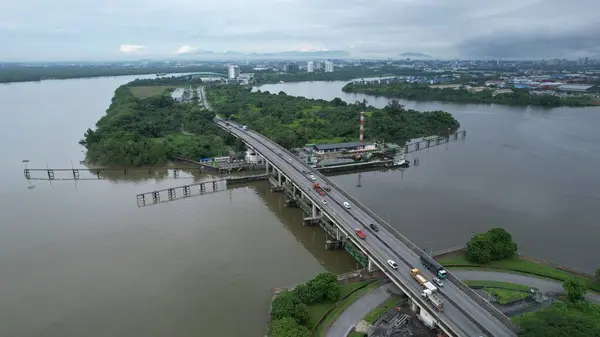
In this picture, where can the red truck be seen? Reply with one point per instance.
(318, 188)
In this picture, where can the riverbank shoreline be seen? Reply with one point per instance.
(454, 258)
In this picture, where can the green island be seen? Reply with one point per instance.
(145, 126)
(9, 74)
(424, 92)
(295, 121)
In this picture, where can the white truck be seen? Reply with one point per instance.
(430, 289)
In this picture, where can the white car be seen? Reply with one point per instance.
(346, 204)
(392, 264)
(312, 177)
(324, 202)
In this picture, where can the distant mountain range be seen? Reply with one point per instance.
(417, 55)
(234, 55)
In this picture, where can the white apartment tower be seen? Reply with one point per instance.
(310, 67)
(233, 72)
(328, 66)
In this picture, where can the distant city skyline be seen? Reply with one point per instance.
(111, 30)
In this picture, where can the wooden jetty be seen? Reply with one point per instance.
(75, 173)
(189, 190)
(433, 141)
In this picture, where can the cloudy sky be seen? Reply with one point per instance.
(126, 29)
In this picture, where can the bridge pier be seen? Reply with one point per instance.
(371, 267)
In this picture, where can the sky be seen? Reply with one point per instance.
(56, 30)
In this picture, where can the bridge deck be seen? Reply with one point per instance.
(466, 314)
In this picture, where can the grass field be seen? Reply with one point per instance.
(372, 316)
(503, 296)
(148, 91)
(520, 266)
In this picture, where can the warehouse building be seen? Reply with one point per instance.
(179, 95)
(338, 147)
(578, 88)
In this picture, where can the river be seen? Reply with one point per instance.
(530, 170)
(81, 259)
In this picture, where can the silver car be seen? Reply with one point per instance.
(438, 282)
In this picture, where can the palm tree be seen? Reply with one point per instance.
(395, 105)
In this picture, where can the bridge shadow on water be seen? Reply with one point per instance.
(312, 238)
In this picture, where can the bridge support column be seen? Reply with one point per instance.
(279, 177)
(371, 267)
(314, 211)
(413, 306)
(267, 166)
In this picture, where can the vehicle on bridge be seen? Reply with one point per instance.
(392, 264)
(324, 202)
(360, 233)
(318, 188)
(434, 266)
(346, 204)
(374, 227)
(434, 299)
(423, 281)
(312, 177)
(429, 291)
(244, 127)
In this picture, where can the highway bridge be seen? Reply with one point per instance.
(465, 312)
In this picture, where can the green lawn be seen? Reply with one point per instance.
(521, 266)
(502, 295)
(317, 311)
(151, 90)
(372, 316)
(343, 305)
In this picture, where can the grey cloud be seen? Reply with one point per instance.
(524, 44)
(442, 28)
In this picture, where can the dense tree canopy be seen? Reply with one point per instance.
(324, 287)
(424, 92)
(19, 73)
(287, 304)
(575, 289)
(295, 121)
(493, 245)
(148, 131)
(287, 327)
(562, 319)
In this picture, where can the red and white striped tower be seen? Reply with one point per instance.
(362, 125)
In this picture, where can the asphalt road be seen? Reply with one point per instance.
(357, 311)
(377, 244)
(542, 284)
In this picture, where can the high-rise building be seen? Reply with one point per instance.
(310, 67)
(233, 72)
(328, 66)
(291, 68)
